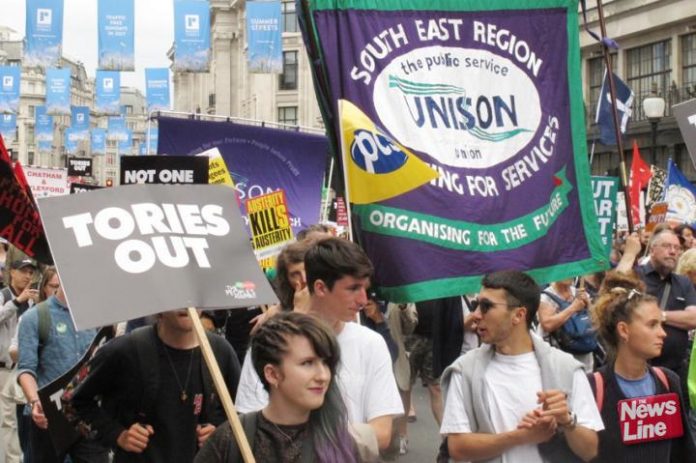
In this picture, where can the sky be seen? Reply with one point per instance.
(154, 33)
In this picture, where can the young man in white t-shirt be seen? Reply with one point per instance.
(515, 392)
(338, 276)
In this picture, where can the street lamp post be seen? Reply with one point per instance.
(654, 109)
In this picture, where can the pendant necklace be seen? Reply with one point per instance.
(183, 396)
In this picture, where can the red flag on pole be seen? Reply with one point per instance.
(640, 175)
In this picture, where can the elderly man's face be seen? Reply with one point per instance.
(665, 251)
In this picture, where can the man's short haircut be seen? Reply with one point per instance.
(660, 230)
(520, 288)
(318, 228)
(331, 259)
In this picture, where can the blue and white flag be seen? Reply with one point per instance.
(264, 36)
(8, 127)
(152, 140)
(108, 92)
(117, 128)
(157, 89)
(10, 77)
(98, 140)
(125, 145)
(70, 140)
(680, 196)
(44, 130)
(79, 122)
(58, 91)
(44, 33)
(116, 23)
(604, 117)
(191, 35)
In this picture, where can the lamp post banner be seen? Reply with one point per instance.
(164, 247)
(488, 94)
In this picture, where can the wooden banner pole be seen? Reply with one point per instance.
(221, 387)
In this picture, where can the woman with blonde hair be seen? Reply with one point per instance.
(629, 321)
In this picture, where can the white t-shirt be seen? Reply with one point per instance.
(364, 377)
(510, 386)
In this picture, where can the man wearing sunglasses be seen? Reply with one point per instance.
(511, 399)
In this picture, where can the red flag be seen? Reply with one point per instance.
(640, 175)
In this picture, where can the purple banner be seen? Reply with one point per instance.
(259, 159)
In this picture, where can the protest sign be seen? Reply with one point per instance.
(658, 214)
(269, 223)
(685, 114)
(260, 160)
(163, 169)
(490, 100)
(604, 191)
(218, 174)
(79, 167)
(83, 188)
(20, 223)
(163, 246)
(46, 181)
(652, 418)
(55, 396)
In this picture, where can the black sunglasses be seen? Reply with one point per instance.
(484, 305)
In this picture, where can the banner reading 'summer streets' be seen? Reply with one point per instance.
(10, 77)
(604, 190)
(263, 25)
(108, 92)
(157, 88)
(191, 35)
(44, 33)
(260, 160)
(489, 95)
(116, 24)
(195, 253)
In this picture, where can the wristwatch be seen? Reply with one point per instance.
(570, 425)
(32, 403)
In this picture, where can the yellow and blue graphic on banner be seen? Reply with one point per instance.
(378, 167)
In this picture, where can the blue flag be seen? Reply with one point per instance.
(70, 140)
(44, 32)
(8, 127)
(116, 35)
(680, 195)
(265, 49)
(191, 35)
(98, 141)
(79, 122)
(58, 91)
(44, 130)
(117, 128)
(10, 77)
(125, 145)
(108, 92)
(157, 89)
(604, 117)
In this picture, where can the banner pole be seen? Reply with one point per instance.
(221, 387)
(615, 117)
(346, 185)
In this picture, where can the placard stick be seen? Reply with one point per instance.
(221, 387)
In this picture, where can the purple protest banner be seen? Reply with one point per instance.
(260, 160)
(489, 95)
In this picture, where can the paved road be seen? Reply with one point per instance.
(423, 435)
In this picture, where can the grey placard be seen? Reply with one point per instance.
(685, 113)
(127, 252)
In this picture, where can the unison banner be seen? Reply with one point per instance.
(489, 95)
(260, 160)
(8, 126)
(10, 77)
(164, 246)
(108, 92)
(44, 33)
(191, 35)
(44, 130)
(116, 23)
(157, 88)
(264, 36)
(58, 91)
(79, 122)
(98, 141)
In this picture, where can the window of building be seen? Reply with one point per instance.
(689, 62)
(32, 111)
(30, 135)
(30, 158)
(129, 109)
(287, 115)
(649, 67)
(288, 79)
(289, 16)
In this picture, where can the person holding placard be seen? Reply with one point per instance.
(642, 407)
(296, 357)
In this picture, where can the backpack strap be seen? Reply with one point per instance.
(599, 390)
(659, 372)
(146, 349)
(562, 303)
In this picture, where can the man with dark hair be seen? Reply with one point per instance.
(338, 276)
(514, 392)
